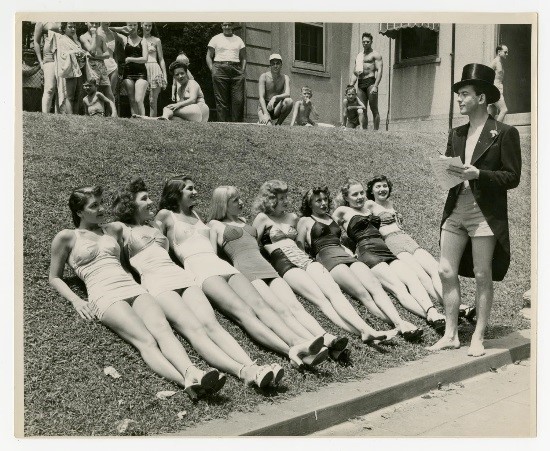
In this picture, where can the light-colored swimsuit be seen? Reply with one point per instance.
(95, 106)
(148, 252)
(97, 263)
(195, 251)
(155, 76)
(110, 62)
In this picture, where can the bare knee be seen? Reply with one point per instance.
(483, 276)
(288, 102)
(447, 273)
(145, 341)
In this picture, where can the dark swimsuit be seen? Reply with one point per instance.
(371, 249)
(326, 247)
(134, 71)
(240, 245)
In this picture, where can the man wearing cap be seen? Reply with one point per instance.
(475, 239)
(226, 59)
(274, 93)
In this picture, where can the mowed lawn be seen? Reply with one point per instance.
(66, 391)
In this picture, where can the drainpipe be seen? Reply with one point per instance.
(451, 106)
(389, 86)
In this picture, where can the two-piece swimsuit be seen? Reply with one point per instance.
(97, 263)
(397, 241)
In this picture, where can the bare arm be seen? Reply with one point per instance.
(310, 113)
(210, 53)
(61, 248)
(295, 112)
(139, 59)
(345, 115)
(242, 58)
(379, 69)
(261, 93)
(302, 240)
(110, 102)
(162, 64)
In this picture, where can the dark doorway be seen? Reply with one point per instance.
(517, 68)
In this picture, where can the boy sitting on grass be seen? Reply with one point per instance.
(303, 109)
(94, 101)
(354, 110)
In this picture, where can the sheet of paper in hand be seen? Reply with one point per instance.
(440, 164)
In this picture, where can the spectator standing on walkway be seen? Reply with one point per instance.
(33, 82)
(274, 93)
(226, 59)
(499, 109)
(475, 239)
(368, 72)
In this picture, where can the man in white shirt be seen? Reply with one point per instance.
(475, 240)
(226, 59)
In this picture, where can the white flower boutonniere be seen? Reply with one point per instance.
(494, 133)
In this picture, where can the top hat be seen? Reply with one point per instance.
(482, 76)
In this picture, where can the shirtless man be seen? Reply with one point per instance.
(368, 69)
(499, 109)
(274, 93)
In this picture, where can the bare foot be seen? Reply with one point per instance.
(476, 348)
(445, 343)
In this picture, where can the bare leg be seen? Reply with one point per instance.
(309, 288)
(363, 97)
(153, 97)
(381, 299)
(140, 91)
(413, 284)
(125, 322)
(373, 100)
(452, 248)
(184, 318)
(227, 300)
(285, 107)
(422, 275)
(430, 265)
(242, 286)
(286, 296)
(50, 86)
(482, 253)
(129, 86)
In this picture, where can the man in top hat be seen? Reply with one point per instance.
(274, 93)
(474, 230)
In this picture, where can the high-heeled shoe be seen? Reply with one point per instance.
(337, 343)
(278, 373)
(193, 387)
(437, 324)
(342, 357)
(262, 378)
(312, 360)
(296, 352)
(218, 385)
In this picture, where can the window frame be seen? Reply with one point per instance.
(417, 61)
(305, 66)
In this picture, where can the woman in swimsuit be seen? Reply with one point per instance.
(134, 74)
(319, 234)
(362, 229)
(276, 229)
(194, 245)
(402, 245)
(156, 68)
(111, 40)
(46, 60)
(114, 298)
(182, 301)
(239, 242)
(96, 67)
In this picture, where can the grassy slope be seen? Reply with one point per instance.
(66, 392)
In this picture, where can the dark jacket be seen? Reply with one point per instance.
(497, 155)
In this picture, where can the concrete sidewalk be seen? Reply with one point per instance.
(498, 403)
(336, 403)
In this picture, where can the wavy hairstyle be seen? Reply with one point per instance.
(220, 198)
(177, 65)
(79, 198)
(343, 192)
(171, 192)
(374, 181)
(124, 204)
(305, 209)
(266, 199)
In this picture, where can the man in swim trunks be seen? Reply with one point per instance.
(475, 239)
(274, 93)
(368, 72)
(499, 109)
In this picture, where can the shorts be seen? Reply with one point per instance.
(365, 83)
(399, 241)
(99, 72)
(467, 218)
(111, 65)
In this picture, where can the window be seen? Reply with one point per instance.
(417, 46)
(309, 46)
